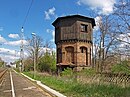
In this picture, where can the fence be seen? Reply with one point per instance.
(107, 79)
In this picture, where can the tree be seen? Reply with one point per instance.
(53, 64)
(47, 63)
(28, 64)
(113, 36)
(44, 57)
(104, 41)
(35, 47)
(122, 14)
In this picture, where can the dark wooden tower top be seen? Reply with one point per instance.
(76, 17)
(73, 28)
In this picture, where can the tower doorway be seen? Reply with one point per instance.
(69, 54)
(84, 52)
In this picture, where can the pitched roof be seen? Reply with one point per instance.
(75, 16)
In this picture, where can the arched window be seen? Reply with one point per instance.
(83, 49)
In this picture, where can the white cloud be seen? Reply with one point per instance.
(98, 19)
(13, 35)
(79, 2)
(53, 34)
(44, 50)
(125, 40)
(9, 58)
(16, 43)
(1, 28)
(49, 13)
(2, 39)
(104, 7)
(125, 37)
(9, 55)
(7, 51)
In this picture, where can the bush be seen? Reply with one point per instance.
(67, 72)
(47, 63)
(1, 63)
(122, 67)
(88, 72)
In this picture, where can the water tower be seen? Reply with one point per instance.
(73, 39)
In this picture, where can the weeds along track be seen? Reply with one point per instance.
(2, 72)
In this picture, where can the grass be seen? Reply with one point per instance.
(71, 88)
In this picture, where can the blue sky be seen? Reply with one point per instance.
(40, 18)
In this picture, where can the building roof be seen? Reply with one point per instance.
(75, 16)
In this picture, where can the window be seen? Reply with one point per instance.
(83, 49)
(84, 27)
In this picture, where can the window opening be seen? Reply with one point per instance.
(84, 27)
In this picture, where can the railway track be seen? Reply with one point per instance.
(2, 72)
(14, 84)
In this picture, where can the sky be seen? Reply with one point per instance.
(39, 20)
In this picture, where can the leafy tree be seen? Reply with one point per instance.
(47, 63)
(53, 64)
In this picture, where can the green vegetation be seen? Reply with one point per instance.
(47, 63)
(72, 88)
(67, 72)
(1, 64)
(87, 72)
(69, 85)
(123, 67)
(28, 65)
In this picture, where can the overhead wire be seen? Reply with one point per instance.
(25, 19)
(22, 37)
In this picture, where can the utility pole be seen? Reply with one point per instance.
(21, 51)
(34, 50)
